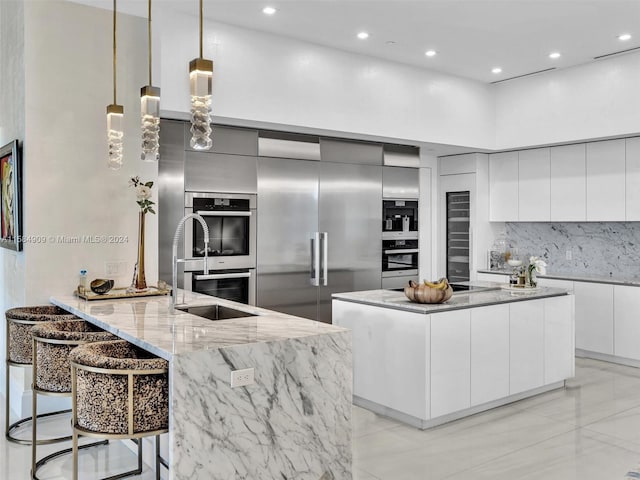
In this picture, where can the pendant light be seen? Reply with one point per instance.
(150, 110)
(115, 115)
(200, 77)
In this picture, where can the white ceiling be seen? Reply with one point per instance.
(470, 36)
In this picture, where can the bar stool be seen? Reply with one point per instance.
(52, 343)
(20, 321)
(119, 391)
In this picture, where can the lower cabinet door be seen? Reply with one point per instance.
(559, 334)
(489, 353)
(627, 324)
(526, 332)
(594, 317)
(450, 362)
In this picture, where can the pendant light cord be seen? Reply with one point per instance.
(150, 45)
(201, 10)
(114, 52)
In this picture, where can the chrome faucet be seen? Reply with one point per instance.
(175, 259)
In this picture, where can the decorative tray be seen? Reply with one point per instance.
(520, 289)
(122, 293)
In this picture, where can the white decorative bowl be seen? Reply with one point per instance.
(514, 263)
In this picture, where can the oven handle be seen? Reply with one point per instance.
(223, 213)
(222, 276)
(315, 260)
(401, 250)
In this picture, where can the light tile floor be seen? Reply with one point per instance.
(587, 431)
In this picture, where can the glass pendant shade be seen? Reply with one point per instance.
(150, 118)
(115, 134)
(200, 76)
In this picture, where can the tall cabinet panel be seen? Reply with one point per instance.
(605, 181)
(534, 185)
(568, 183)
(503, 187)
(349, 204)
(633, 179)
(287, 220)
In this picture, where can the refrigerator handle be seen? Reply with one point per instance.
(315, 260)
(324, 238)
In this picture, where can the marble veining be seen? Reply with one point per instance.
(148, 323)
(294, 422)
(460, 300)
(597, 248)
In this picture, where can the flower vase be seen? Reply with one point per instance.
(139, 281)
(531, 280)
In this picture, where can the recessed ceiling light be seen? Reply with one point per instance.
(269, 10)
(496, 70)
(554, 55)
(624, 37)
(430, 53)
(363, 35)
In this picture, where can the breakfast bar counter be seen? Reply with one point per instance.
(293, 421)
(429, 364)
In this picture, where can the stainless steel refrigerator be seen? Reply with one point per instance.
(318, 224)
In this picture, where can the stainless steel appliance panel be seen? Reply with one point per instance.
(342, 151)
(350, 198)
(226, 228)
(283, 145)
(399, 281)
(287, 223)
(233, 140)
(219, 172)
(400, 182)
(170, 193)
(236, 285)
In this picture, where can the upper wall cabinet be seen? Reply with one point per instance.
(503, 187)
(633, 179)
(606, 181)
(534, 185)
(568, 183)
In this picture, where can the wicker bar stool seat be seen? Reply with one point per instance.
(52, 344)
(19, 351)
(120, 391)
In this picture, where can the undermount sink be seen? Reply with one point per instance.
(215, 312)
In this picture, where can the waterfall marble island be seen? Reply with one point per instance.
(293, 421)
(429, 364)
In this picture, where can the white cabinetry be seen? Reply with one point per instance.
(568, 183)
(594, 317)
(503, 187)
(450, 361)
(489, 353)
(527, 345)
(606, 181)
(534, 185)
(559, 360)
(633, 179)
(626, 311)
(391, 356)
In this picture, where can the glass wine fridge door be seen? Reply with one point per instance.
(458, 216)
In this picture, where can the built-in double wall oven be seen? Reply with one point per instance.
(399, 242)
(231, 219)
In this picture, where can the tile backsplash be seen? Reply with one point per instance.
(596, 247)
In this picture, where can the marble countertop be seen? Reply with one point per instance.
(609, 277)
(149, 323)
(459, 300)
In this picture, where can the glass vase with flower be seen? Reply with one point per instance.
(143, 199)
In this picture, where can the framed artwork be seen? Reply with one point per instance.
(10, 192)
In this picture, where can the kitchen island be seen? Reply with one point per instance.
(294, 421)
(429, 364)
